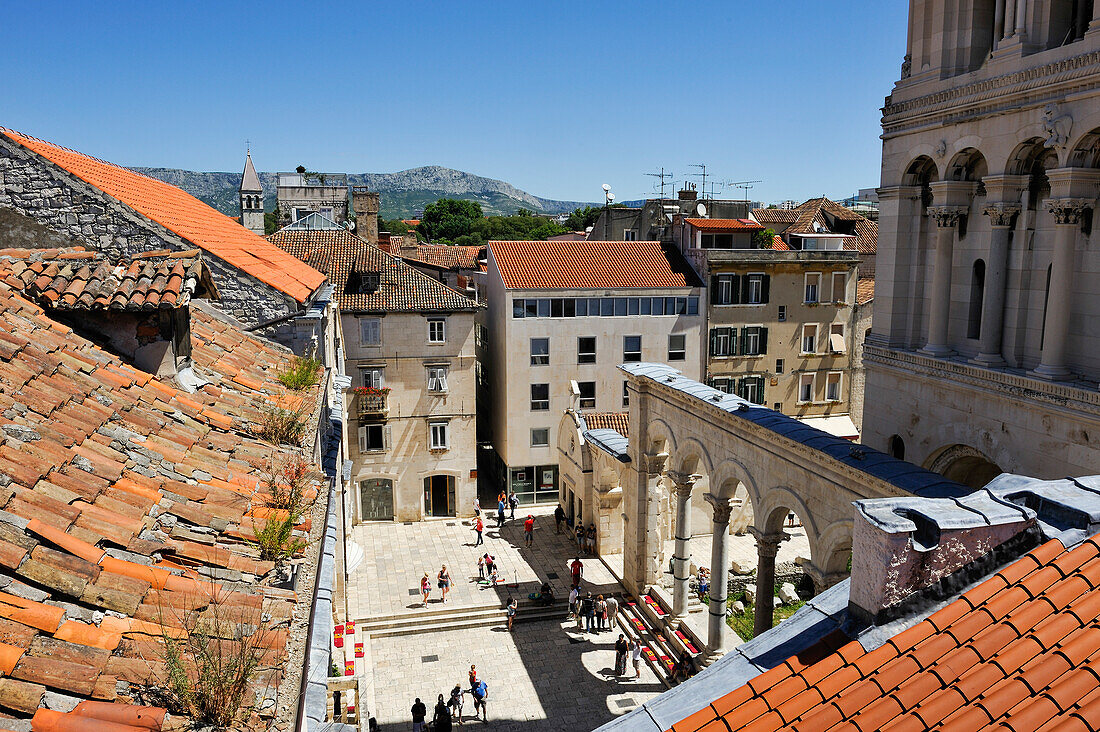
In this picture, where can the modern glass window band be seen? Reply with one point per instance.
(587, 307)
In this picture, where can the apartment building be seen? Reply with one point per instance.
(779, 316)
(561, 316)
(408, 346)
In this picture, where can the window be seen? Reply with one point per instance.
(373, 377)
(782, 313)
(977, 294)
(630, 235)
(839, 280)
(751, 388)
(626, 395)
(836, 337)
(832, 386)
(437, 332)
(632, 348)
(723, 342)
(754, 340)
(373, 437)
(587, 393)
(778, 365)
(813, 285)
(438, 436)
(586, 349)
(778, 406)
(540, 397)
(362, 283)
(593, 307)
(370, 331)
(723, 384)
(809, 339)
(540, 351)
(895, 446)
(806, 388)
(437, 379)
(677, 347)
(540, 437)
(725, 289)
(756, 289)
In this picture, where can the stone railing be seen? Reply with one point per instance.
(370, 404)
(1011, 384)
(344, 702)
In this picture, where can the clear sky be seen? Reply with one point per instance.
(553, 97)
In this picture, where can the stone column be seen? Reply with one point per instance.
(1021, 19)
(1001, 217)
(947, 219)
(1067, 216)
(899, 208)
(1094, 26)
(719, 576)
(683, 483)
(1010, 19)
(767, 546)
(651, 535)
(998, 23)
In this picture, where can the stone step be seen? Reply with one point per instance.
(411, 621)
(499, 618)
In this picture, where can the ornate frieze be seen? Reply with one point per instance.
(1001, 214)
(946, 216)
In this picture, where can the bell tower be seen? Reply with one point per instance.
(251, 198)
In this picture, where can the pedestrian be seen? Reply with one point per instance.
(473, 676)
(441, 722)
(559, 517)
(573, 595)
(636, 657)
(425, 588)
(479, 527)
(513, 501)
(480, 692)
(455, 703)
(513, 606)
(588, 610)
(592, 538)
(477, 506)
(490, 563)
(493, 575)
(612, 611)
(500, 513)
(481, 569)
(601, 613)
(502, 497)
(580, 536)
(577, 569)
(528, 530)
(444, 581)
(621, 648)
(419, 711)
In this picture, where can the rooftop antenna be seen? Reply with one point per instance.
(663, 176)
(744, 185)
(703, 174)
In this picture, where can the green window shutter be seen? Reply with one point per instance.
(745, 341)
(714, 290)
(763, 340)
(713, 341)
(733, 342)
(735, 290)
(765, 288)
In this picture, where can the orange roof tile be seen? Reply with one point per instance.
(184, 215)
(618, 421)
(725, 224)
(580, 265)
(865, 290)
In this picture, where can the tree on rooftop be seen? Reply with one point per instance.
(448, 219)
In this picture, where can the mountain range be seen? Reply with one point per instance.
(404, 194)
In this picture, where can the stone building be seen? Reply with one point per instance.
(561, 316)
(408, 348)
(652, 221)
(302, 193)
(593, 466)
(251, 197)
(122, 213)
(983, 351)
(460, 267)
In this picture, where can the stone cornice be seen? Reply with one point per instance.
(983, 96)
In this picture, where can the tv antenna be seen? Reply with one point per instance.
(703, 175)
(744, 185)
(662, 176)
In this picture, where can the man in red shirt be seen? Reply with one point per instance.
(479, 527)
(576, 567)
(528, 530)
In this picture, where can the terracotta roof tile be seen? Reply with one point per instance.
(553, 265)
(184, 215)
(824, 213)
(725, 224)
(618, 421)
(437, 255)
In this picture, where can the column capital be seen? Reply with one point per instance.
(1068, 211)
(654, 462)
(886, 193)
(1073, 182)
(721, 506)
(683, 482)
(947, 217)
(1007, 188)
(1001, 214)
(767, 545)
(953, 192)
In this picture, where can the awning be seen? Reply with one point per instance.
(840, 425)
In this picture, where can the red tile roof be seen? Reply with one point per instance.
(437, 255)
(77, 279)
(123, 498)
(824, 213)
(582, 265)
(339, 253)
(618, 421)
(725, 224)
(779, 245)
(865, 290)
(184, 215)
(1020, 651)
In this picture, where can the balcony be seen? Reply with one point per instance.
(372, 404)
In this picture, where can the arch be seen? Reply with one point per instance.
(726, 477)
(692, 456)
(776, 504)
(977, 295)
(836, 547)
(659, 437)
(968, 164)
(1025, 155)
(1086, 152)
(964, 464)
(920, 171)
(895, 447)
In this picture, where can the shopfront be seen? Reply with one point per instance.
(535, 484)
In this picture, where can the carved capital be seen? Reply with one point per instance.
(683, 482)
(946, 216)
(654, 463)
(721, 506)
(767, 545)
(1068, 210)
(1001, 214)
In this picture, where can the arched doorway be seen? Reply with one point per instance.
(965, 465)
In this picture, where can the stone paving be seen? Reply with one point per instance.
(743, 548)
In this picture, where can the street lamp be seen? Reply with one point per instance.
(608, 198)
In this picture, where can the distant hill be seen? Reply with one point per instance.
(403, 193)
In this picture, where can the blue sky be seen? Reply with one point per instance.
(553, 97)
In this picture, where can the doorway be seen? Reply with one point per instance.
(439, 495)
(376, 500)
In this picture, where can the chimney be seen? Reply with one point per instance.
(688, 193)
(905, 546)
(366, 205)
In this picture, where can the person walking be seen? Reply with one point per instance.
(479, 527)
(513, 606)
(419, 711)
(577, 569)
(591, 539)
(481, 569)
(473, 676)
(588, 610)
(455, 703)
(621, 649)
(612, 611)
(444, 581)
(636, 657)
(425, 588)
(480, 692)
(500, 512)
(528, 530)
(580, 536)
(513, 501)
(477, 507)
(559, 517)
(573, 595)
(601, 613)
(441, 720)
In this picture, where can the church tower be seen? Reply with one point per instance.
(251, 198)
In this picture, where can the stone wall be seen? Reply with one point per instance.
(74, 210)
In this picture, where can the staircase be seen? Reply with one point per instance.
(456, 618)
(644, 620)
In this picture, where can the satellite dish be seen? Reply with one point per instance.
(701, 209)
(610, 196)
(606, 187)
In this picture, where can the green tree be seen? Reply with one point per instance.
(394, 226)
(763, 238)
(448, 219)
